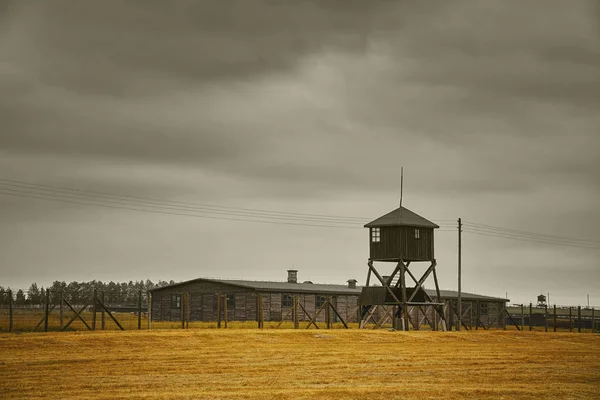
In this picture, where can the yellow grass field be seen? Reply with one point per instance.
(298, 364)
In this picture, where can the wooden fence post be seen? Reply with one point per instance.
(225, 310)
(182, 309)
(140, 311)
(445, 322)
(522, 317)
(593, 319)
(295, 312)
(570, 319)
(94, 301)
(260, 313)
(60, 309)
(10, 311)
(477, 315)
(578, 319)
(46, 310)
(219, 310)
(328, 313)
(530, 315)
(417, 318)
(187, 310)
(102, 313)
(471, 316)
(546, 317)
(554, 318)
(149, 312)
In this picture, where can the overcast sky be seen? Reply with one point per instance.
(311, 107)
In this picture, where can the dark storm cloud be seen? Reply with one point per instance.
(70, 66)
(182, 83)
(119, 47)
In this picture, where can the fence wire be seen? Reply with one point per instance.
(61, 310)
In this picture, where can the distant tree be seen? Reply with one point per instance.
(112, 292)
(73, 292)
(20, 299)
(87, 291)
(100, 287)
(56, 289)
(149, 285)
(34, 295)
(131, 293)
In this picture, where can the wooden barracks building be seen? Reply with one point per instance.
(278, 301)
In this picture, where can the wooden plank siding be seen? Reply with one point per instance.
(275, 310)
(203, 304)
(400, 242)
(203, 301)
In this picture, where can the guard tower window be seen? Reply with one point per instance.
(287, 300)
(375, 235)
(417, 234)
(175, 301)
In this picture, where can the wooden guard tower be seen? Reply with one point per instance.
(401, 237)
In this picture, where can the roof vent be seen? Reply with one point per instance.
(352, 283)
(292, 276)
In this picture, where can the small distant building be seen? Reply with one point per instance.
(277, 297)
(541, 301)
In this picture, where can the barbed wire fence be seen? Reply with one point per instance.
(54, 310)
(69, 310)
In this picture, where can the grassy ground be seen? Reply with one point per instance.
(290, 364)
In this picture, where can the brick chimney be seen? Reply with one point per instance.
(292, 275)
(352, 283)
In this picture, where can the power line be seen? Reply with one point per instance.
(169, 213)
(567, 244)
(526, 233)
(171, 202)
(93, 197)
(198, 210)
(118, 201)
(208, 207)
(532, 237)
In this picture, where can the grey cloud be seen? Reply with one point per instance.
(418, 79)
(120, 48)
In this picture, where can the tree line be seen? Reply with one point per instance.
(82, 292)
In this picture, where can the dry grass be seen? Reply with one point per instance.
(289, 364)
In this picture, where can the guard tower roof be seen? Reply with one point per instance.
(401, 217)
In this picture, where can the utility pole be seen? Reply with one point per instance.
(459, 276)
